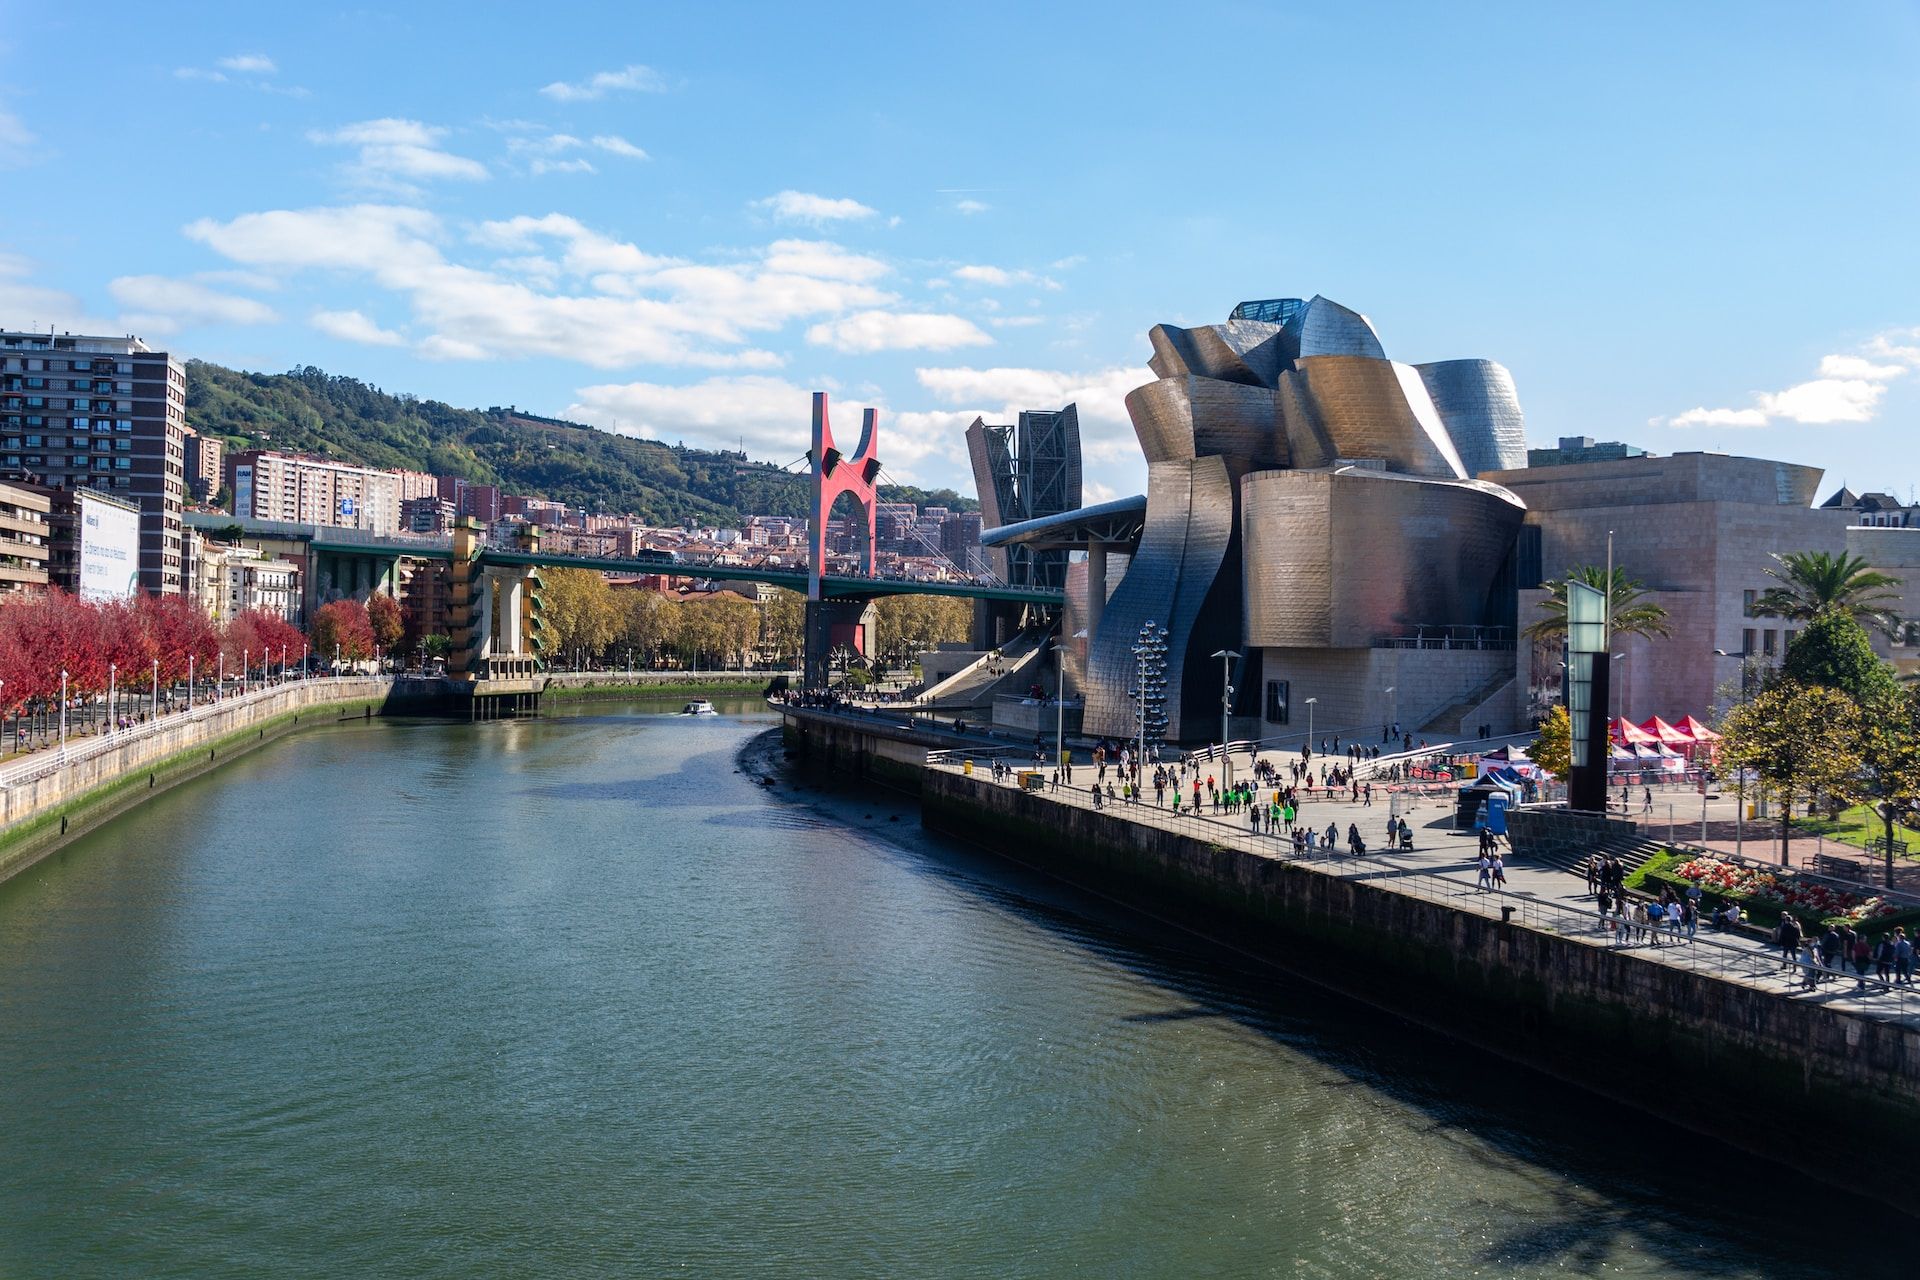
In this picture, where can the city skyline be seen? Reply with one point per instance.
(679, 235)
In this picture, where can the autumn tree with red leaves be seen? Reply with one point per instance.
(342, 626)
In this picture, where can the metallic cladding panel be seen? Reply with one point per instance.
(1173, 353)
(1428, 417)
(1181, 418)
(1190, 530)
(1326, 328)
(987, 449)
(1360, 407)
(1478, 402)
(1340, 558)
(1243, 351)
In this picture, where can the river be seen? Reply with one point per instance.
(578, 996)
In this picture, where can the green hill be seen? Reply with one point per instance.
(311, 411)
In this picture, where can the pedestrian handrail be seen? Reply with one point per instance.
(1702, 954)
(52, 759)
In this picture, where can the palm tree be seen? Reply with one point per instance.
(1631, 613)
(1816, 582)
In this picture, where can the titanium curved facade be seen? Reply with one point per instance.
(1305, 492)
(1341, 558)
(1188, 543)
(1478, 402)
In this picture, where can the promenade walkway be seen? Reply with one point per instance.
(1442, 867)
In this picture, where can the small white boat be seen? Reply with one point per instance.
(699, 707)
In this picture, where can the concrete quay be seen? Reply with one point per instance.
(46, 799)
(1710, 1035)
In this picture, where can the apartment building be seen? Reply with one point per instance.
(23, 539)
(304, 490)
(206, 465)
(104, 413)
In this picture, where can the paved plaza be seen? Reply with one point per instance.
(1442, 866)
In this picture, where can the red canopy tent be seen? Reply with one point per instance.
(1660, 731)
(1699, 731)
(1625, 730)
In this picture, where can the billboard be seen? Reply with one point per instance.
(109, 549)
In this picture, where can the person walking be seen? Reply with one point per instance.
(1883, 958)
(1903, 956)
(1788, 936)
(1486, 872)
(1499, 870)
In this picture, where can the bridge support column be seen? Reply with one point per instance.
(1096, 585)
(833, 624)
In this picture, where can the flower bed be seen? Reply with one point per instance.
(1767, 894)
(1805, 898)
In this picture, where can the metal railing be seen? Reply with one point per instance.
(50, 760)
(1751, 964)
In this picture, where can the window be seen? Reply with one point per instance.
(80, 460)
(34, 442)
(1768, 639)
(1278, 697)
(80, 424)
(123, 464)
(37, 384)
(123, 366)
(1747, 600)
(123, 424)
(122, 444)
(1786, 641)
(1747, 639)
(56, 366)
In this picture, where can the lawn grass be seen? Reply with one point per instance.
(1857, 826)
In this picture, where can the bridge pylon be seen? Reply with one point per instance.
(842, 621)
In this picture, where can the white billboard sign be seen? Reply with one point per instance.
(109, 549)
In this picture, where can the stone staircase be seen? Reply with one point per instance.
(1445, 724)
(1564, 840)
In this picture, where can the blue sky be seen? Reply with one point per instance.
(1690, 227)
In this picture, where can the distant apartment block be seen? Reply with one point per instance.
(23, 539)
(481, 501)
(415, 484)
(206, 465)
(428, 514)
(101, 413)
(303, 490)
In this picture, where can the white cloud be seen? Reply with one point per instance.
(1000, 394)
(561, 166)
(1016, 322)
(619, 146)
(1067, 263)
(1825, 400)
(250, 71)
(1000, 277)
(971, 207)
(392, 148)
(16, 140)
(566, 291)
(158, 304)
(1701, 416)
(31, 306)
(1856, 367)
(633, 78)
(868, 331)
(1849, 388)
(804, 206)
(770, 414)
(353, 326)
(824, 259)
(441, 347)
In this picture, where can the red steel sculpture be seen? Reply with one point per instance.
(834, 474)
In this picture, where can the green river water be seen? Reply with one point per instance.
(579, 997)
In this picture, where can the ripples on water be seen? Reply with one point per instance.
(576, 997)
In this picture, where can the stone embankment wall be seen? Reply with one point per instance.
(36, 815)
(614, 684)
(1740, 1064)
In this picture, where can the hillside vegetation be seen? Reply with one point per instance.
(311, 411)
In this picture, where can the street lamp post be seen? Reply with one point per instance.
(1310, 706)
(63, 715)
(1226, 657)
(220, 685)
(113, 722)
(245, 655)
(1739, 773)
(189, 682)
(1393, 705)
(156, 688)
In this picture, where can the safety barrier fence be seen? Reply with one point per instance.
(52, 759)
(1703, 952)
